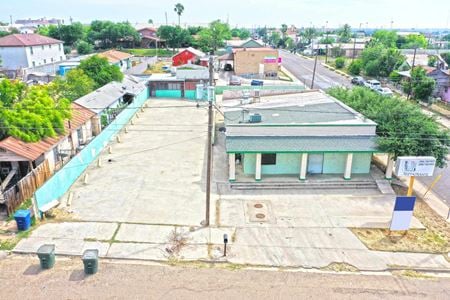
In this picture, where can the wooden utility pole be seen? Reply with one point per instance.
(209, 143)
(412, 69)
(314, 71)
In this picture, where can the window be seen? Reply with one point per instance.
(59, 47)
(52, 59)
(31, 50)
(45, 61)
(49, 46)
(269, 159)
(34, 64)
(42, 47)
(60, 58)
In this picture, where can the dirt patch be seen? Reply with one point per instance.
(340, 267)
(435, 238)
(156, 68)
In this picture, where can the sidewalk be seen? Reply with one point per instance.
(260, 246)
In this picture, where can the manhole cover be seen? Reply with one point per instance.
(260, 216)
(258, 205)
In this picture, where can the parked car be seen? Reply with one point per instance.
(374, 84)
(385, 92)
(358, 80)
(234, 80)
(257, 82)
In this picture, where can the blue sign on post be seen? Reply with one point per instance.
(403, 212)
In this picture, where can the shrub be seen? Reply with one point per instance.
(84, 47)
(67, 49)
(355, 67)
(340, 62)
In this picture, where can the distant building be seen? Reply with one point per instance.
(19, 51)
(39, 22)
(256, 62)
(118, 58)
(238, 44)
(187, 56)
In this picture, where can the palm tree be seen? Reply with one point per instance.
(179, 9)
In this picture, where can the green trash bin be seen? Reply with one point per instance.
(90, 261)
(46, 254)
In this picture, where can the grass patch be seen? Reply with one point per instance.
(156, 68)
(435, 238)
(150, 52)
(8, 243)
(412, 274)
(340, 267)
(283, 76)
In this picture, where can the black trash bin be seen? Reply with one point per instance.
(46, 254)
(90, 261)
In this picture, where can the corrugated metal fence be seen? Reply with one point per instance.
(61, 181)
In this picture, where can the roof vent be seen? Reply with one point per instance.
(254, 118)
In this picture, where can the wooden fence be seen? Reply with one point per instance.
(25, 188)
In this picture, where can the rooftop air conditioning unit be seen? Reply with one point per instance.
(254, 118)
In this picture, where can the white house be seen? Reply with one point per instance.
(18, 51)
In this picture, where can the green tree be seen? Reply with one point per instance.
(150, 21)
(339, 63)
(403, 129)
(327, 40)
(244, 34)
(179, 9)
(421, 85)
(432, 61)
(11, 92)
(100, 71)
(309, 34)
(345, 33)
(84, 47)
(284, 29)
(388, 38)
(415, 41)
(355, 67)
(275, 39)
(111, 35)
(446, 57)
(74, 85)
(175, 36)
(33, 114)
(214, 35)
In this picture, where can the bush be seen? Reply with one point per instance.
(84, 47)
(372, 68)
(395, 77)
(355, 67)
(340, 63)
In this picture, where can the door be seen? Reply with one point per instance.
(315, 163)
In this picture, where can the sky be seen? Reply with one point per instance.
(242, 13)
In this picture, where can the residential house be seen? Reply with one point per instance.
(150, 39)
(189, 82)
(19, 157)
(187, 56)
(19, 51)
(442, 78)
(299, 135)
(108, 101)
(238, 44)
(256, 62)
(118, 58)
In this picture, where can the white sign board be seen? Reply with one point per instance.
(415, 166)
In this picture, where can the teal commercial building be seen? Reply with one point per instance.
(300, 135)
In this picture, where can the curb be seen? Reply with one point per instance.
(336, 71)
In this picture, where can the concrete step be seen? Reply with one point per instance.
(329, 185)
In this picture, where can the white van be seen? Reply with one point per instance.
(374, 84)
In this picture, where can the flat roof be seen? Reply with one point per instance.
(311, 107)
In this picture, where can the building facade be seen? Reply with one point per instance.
(187, 56)
(256, 62)
(19, 51)
(298, 135)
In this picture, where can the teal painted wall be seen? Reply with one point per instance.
(189, 94)
(287, 164)
(168, 94)
(361, 163)
(334, 163)
(62, 180)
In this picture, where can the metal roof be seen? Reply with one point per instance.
(105, 96)
(297, 144)
(26, 40)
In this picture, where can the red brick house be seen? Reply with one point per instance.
(187, 56)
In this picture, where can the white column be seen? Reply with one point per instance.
(389, 167)
(258, 167)
(348, 167)
(232, 166)
(303, 166)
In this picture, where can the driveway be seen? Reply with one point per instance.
(155, 175)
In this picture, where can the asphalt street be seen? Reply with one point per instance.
(303, 69)
(22, 278)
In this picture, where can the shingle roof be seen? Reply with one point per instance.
(296, 144)
(25, 40)
(32, 151)
(114, 56)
